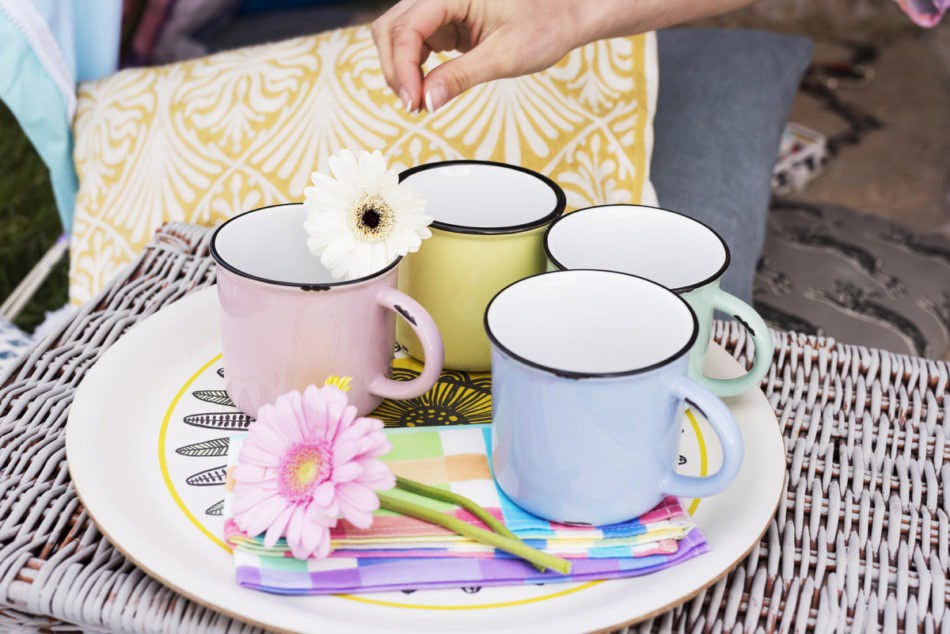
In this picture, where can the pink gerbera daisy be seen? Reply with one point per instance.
(306, 462)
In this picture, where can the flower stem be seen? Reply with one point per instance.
(514, 546)
(435, 493)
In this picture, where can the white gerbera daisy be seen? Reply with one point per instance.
(360, 217)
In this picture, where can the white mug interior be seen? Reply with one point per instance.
(590, 323)
(482, 195)
(270, 245)
(666, 247)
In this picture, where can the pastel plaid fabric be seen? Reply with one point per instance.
(399, 552)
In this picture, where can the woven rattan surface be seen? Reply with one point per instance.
(859, 542)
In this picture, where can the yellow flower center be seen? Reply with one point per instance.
(307, 472)
(373, 218)
(302, 468)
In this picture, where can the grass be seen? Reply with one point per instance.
(29, 222)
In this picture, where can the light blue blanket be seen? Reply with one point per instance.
(46, 47)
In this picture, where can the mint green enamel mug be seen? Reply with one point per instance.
(674, 250)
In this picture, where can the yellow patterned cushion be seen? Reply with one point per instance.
(202, 140)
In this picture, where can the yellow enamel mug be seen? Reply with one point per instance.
(489, 222)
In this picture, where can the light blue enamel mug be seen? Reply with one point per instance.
(677, 251)
(589, 378)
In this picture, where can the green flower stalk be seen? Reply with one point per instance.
(504, 539)
(435, 493)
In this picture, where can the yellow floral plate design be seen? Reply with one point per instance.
(459, 398)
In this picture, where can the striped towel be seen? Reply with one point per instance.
(399, 552)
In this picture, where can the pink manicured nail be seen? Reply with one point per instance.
(435, 97)
(406, 99)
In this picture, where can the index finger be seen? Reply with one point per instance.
(381, 36)
(409, 33)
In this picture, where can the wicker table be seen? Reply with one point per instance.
(860, 540)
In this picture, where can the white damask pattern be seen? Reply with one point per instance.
(203, 140)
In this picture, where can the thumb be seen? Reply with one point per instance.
(448, 80)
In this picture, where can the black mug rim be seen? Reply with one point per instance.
(559, 205)
(220, 260)
(679, 289)
(574, 374)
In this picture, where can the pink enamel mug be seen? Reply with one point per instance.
(286, 323)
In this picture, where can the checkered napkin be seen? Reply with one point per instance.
(399, 552)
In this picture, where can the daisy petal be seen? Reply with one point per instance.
(324, 493)
(296, 528)
(344, 167)
(246, 497)
(349, 471)
(249, 472)
(345, 450)
(323, 546)
(339, 414)
(315, 409)
(255, 455)
(263, 436)
(276, 530)
(287, 408)
(376, 475)
(314, 539)
(257, 518)
(356, 499)
(361, 260)
(338, 251)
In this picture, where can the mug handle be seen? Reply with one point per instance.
(722, 421)
(745, 315)
(427, 332)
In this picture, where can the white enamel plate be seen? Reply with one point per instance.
(145, 451)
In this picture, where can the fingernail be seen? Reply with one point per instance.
(406, 99)
(435, 98)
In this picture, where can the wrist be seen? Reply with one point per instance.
(603, 19)
(588, 20)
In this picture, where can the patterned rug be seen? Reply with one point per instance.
(861, 279)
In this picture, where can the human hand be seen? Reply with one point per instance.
(497, 38)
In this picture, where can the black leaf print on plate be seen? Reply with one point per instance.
(220, 420)
(221, 372)
(407, 591)
(682, 460)
(209, 477)
(215, 447)
(457, 398)
(218, 397)
(472, 590)
(215, 509)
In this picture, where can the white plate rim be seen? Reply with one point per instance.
(96, 506)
